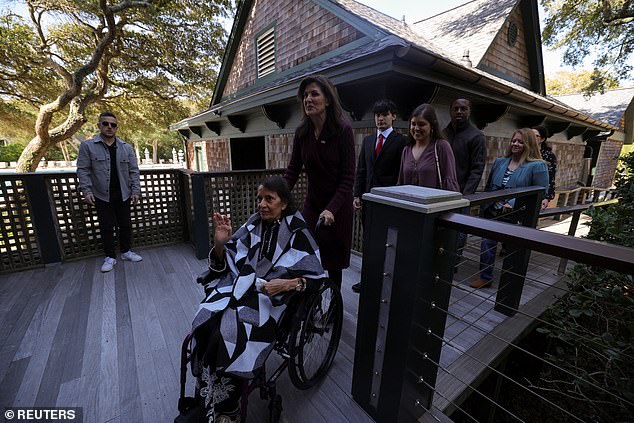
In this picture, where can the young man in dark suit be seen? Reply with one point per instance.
(379, 158)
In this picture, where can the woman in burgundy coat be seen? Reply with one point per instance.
(324, 146)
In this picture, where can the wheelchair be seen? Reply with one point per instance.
(307, 341)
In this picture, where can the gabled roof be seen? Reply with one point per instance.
(381, 32)
(471, 26)
(608, 107)
(389, 24)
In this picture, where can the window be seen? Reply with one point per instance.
(266, 52)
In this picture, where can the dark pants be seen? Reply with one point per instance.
(110, 216)
(336, 276)
(487, 258)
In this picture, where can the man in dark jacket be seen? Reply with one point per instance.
(379, 158)
(109, 180)
(469, 149)
(468, 145)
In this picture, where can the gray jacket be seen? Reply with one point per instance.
(93, 169)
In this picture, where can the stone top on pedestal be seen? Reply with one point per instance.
(415, 198)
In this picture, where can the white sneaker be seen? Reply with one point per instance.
(131, 256)
(107, 265)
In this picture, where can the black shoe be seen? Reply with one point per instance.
(356, 287)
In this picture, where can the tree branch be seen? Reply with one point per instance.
(623, 15)
(129, 5)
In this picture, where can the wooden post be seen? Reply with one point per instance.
(200, 216)
(516, 262)
(571, 232)
(406, 284)
(42, 215)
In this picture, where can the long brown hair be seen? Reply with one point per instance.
(335, 119)
(428, 113)
(531, 149)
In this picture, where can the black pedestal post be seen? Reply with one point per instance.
(407, 270)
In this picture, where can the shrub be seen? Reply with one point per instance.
(592, 325)
(11, 152)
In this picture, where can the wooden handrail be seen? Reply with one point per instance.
(489, 196)
(571, 209)
(580, 250)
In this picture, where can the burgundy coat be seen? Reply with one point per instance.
(329, 165)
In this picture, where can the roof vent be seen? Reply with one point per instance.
(465, 59)
(265, 45)
(512, 33)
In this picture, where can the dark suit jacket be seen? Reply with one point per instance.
(382, 171)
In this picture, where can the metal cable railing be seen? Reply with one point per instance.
(468, 309)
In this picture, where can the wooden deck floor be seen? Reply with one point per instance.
(110, 343)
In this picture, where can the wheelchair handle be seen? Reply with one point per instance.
(320, 222)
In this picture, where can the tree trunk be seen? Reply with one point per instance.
(37, 147)
(31, 156)
(155, 151)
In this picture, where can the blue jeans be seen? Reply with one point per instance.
(487, 258)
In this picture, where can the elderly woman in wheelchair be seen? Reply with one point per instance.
(253, 276)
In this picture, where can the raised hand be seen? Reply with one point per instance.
(223, 230)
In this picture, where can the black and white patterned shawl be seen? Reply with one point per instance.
(249, 318)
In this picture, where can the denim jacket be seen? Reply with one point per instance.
(526, 175)
(93, 169)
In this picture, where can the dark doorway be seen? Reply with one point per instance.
(198, 158)
(248, 153)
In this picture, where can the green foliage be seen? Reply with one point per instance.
(592, 326)
(11, 152)
(16, 121)
(566, 82)
(601, 30)
(71, 59)
(615, 224)
(592, 346)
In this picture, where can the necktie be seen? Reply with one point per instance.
(379, 146)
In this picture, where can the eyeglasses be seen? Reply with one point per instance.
(110, 124)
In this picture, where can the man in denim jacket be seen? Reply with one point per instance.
(109, 180)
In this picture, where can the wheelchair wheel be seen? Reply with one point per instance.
(315, 335)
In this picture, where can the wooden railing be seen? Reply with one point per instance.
(582, 195)
(44, 219)
(412, 291)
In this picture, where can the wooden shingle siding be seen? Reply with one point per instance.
(606, 163)
(569, 164)
(280, 148)
(303, 31)
(569, 158)
(217, 153)
(511, 61)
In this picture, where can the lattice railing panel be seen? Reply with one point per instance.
(18, 241)
(159, 219)
(234, 193)
(77, 225)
